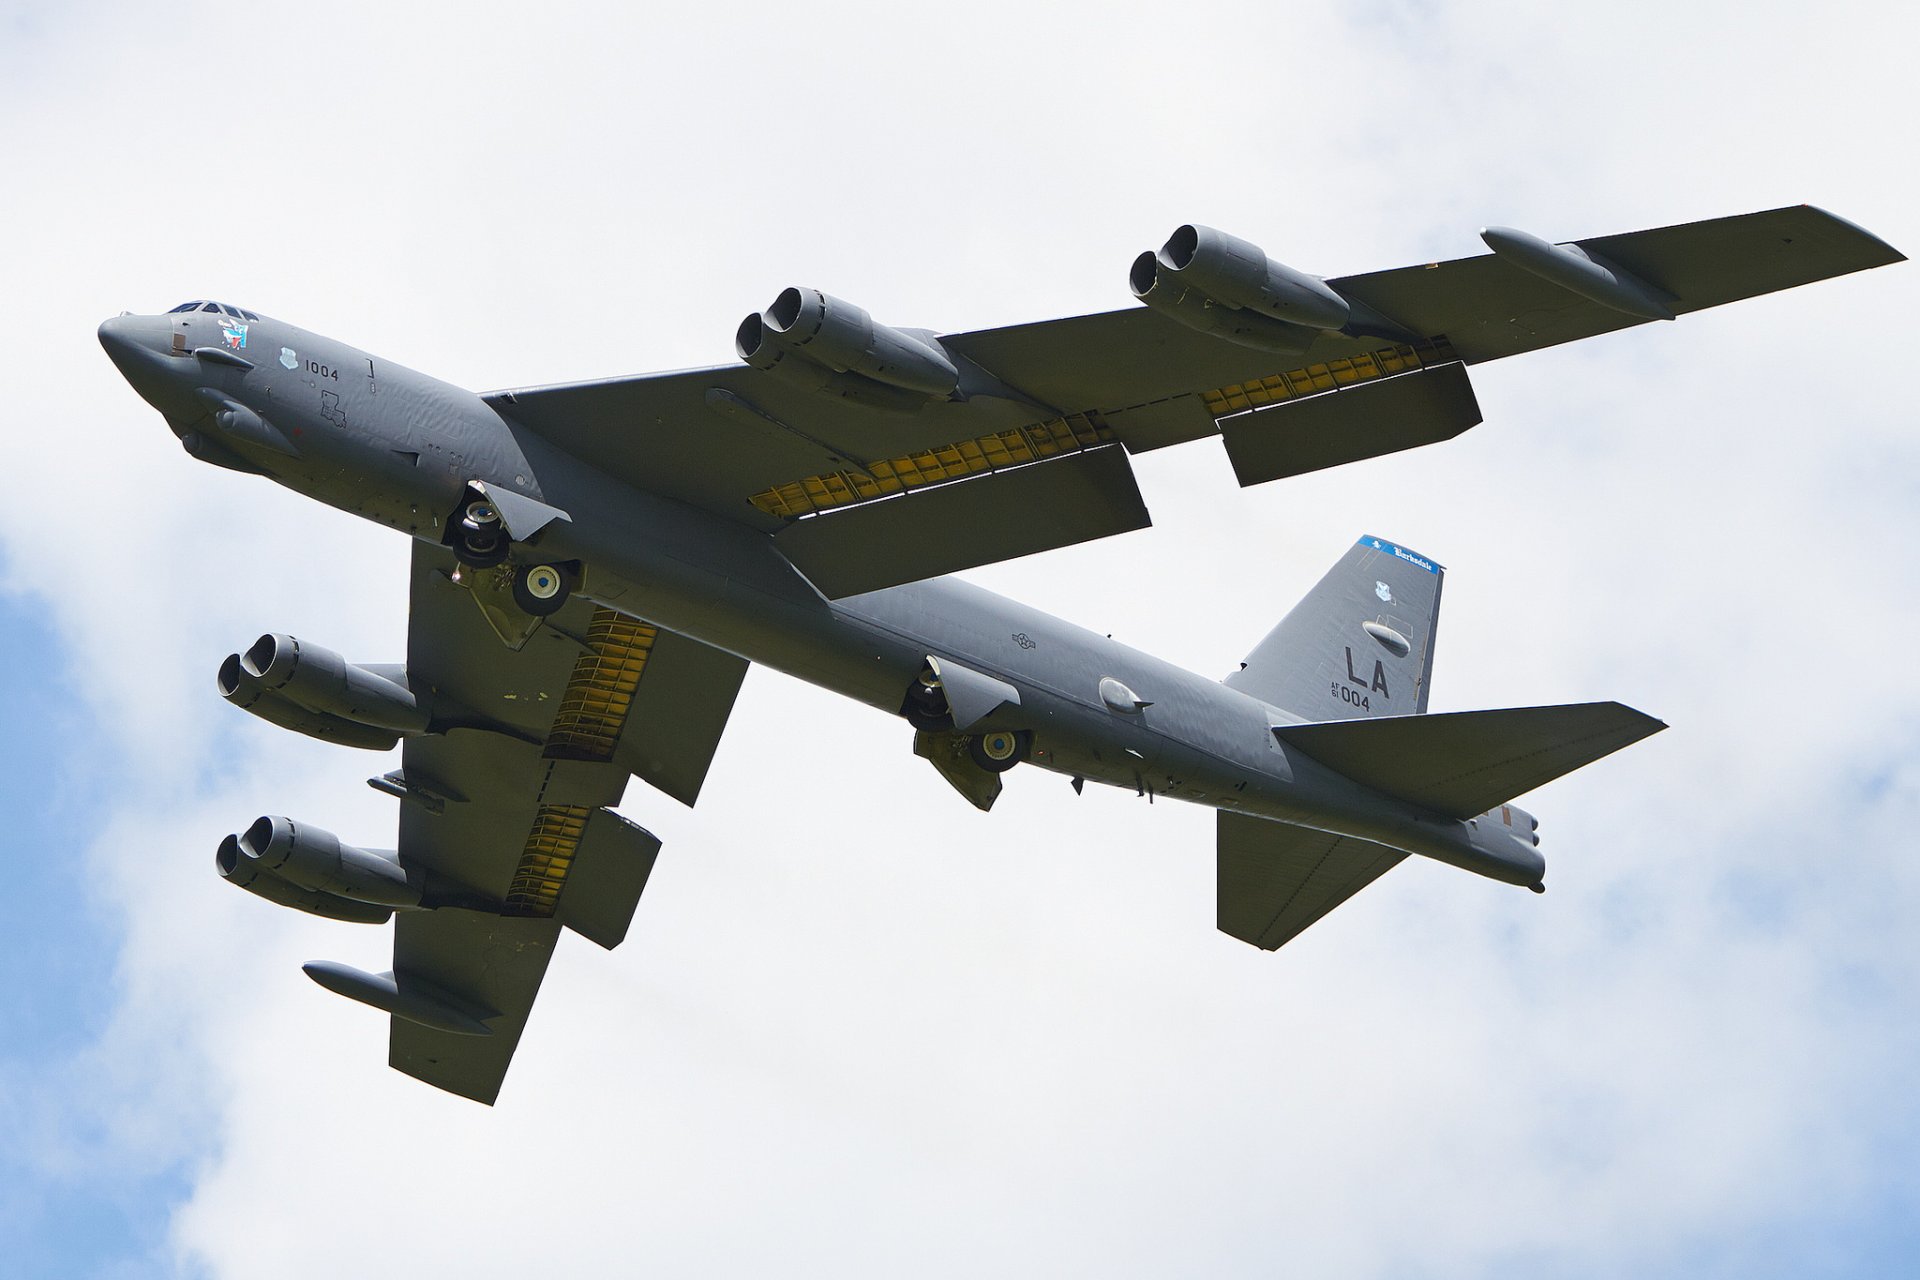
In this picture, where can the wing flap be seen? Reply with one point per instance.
(1463, 763)
(715, 437)
(678, 714)
(608, 875)
(1273, 879)
(1345, 425)
(986, 518)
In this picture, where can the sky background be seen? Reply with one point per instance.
(859, 1028)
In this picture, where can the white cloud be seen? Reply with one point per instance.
(858, 1027)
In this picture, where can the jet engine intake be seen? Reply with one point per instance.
(313, 859)
(247, 873)
(828, 345)
(317, 692)
(1221, 284)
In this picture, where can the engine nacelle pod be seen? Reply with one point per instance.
(835, 347)
(317, 692)
(249, 696)
(315, 859)
(1221, 284)
(246, 873)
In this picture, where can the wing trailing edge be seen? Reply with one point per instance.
(983, 519)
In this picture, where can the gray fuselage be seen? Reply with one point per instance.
(400, 448)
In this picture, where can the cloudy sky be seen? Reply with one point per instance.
(859, 1028)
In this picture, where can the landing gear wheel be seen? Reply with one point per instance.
(479, 540)
(540, 589)
(998, 750)
(926, 707)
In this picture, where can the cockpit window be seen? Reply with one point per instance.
(200, 304)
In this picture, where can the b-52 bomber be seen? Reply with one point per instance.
(596, 563)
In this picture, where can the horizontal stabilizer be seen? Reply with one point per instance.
(1463, 763)
(1274, 879)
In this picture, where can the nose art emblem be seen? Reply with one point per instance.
(288, 360)
(1384, 591)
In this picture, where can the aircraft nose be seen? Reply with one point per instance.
(133, 341)
(117, 335)
(138, 347)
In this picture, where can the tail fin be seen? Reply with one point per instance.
(1359, 644)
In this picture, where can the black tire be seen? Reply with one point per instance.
(998, 750)
(541, 589)
(479, 539)
(926, 708)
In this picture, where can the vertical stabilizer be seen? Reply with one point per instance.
(1360, 644)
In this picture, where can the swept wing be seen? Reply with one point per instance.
(945, 485)
(508, 813)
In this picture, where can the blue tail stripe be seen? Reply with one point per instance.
(1401, 553)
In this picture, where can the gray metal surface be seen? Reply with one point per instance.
(967, 523)
(1273, 880)
(491, 960)
(1365, 420)
(493, 776)
(609, 874)
(1488, 307)
(1327, 661)
(679, 712)
(499, 705)
(1463, 763)
(720, 516)
(1139, 368)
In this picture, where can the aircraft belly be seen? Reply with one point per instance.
(810, 645)
(728, 587)
(1097, 709)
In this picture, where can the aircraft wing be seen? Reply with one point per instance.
(508, 812)
(1032, 451)
(1274, 879)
